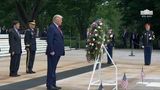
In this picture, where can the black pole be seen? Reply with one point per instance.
(132, 47)
(70, 40)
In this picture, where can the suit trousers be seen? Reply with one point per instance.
(110, 51)
(14, 63)
(30, 60)
(147, 55)
(52, 61)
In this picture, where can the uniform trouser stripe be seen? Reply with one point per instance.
(27, 60)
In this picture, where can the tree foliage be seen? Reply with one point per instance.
(110, 13)
(78, 14)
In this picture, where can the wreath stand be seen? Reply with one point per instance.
(98, 62)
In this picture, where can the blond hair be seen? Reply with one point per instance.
(55, 17)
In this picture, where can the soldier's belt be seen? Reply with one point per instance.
(27, 45)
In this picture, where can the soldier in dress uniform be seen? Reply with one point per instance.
(15, 49)
(147, 38)
(110, 44)
(30, 46)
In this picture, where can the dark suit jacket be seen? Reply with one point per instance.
(55, 41)
(14, 42)
(30, 39)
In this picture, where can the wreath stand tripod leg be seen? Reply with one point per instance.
(98, 62)
(94, 69)
(116, 69)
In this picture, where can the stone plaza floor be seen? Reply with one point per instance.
(74, 72)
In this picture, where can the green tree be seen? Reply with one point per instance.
(111, 14)
(132, 18)
(29, 9)
(7, 13)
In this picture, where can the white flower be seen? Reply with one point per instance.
(98, 42)
(96, 48)
(101, 23)
(92, 44)
(153, 36)
(86, 45)
(103, 39)
(93, 39)
(96, 35)
(99, 27)
(95, 30)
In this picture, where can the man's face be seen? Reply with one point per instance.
(32, 26)
(17, 26)
(59, 21)
(147, 27)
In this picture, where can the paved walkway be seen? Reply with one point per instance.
(74, 72)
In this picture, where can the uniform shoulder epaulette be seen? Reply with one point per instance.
(28, 30)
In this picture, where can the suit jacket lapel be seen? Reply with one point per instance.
(17, 33)
(61, 33)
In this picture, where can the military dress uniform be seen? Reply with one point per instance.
(30, 43)
(110, 45)
(147, 38)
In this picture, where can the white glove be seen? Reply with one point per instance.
(12, 53)
(150, 38)
(52, 53)
(142, 46)
(111, 36)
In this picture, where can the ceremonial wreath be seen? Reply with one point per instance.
(95, 38)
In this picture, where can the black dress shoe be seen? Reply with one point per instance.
(58, 87)
(52, 88)
(14, 75)
(30, 72)
(147, 64)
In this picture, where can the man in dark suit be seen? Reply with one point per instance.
(55, 49)
(125, 38)
(30, 43)
(110, 44)
(132, 39)
(15, 49)
(147, 38)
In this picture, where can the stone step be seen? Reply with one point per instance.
(39, 50)
(4, 45)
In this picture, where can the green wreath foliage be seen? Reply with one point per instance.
(95, 38)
